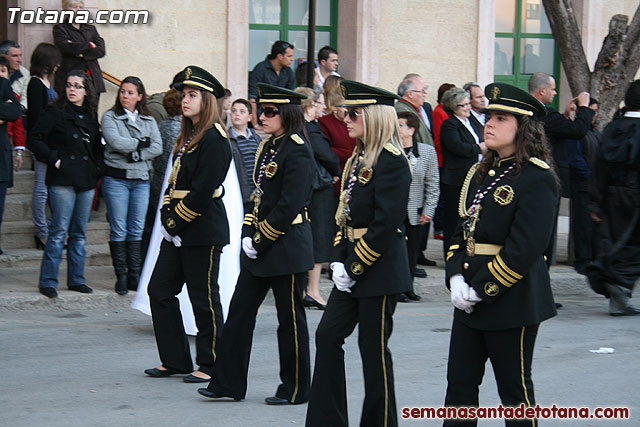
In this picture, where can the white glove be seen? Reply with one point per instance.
(473, 296)
(165, 234)
(177, 241)
(247, 247)
(340, 277)
(460, 293)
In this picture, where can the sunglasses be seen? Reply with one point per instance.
(354, 114)
(270, 112)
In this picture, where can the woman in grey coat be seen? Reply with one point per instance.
(132, 141)
(423, 192)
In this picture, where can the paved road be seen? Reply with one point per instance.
(85, 367)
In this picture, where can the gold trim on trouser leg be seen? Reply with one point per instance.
(524, 386)
(295, 337)
(213, 313)
(384, 364)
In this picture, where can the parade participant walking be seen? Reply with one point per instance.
(278, 251)
(370, 265)
(615, 206)
(495, 265)
(133, 141)
(195, 228)
(67, 139)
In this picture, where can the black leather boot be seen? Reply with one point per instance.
(134, 264)
(119, 258)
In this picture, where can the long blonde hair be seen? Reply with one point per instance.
(209, 116)
(380, 127)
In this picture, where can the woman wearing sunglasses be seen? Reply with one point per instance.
(278, 251)
(195, 228)
(495, 265)
(370, 265)
(67, 138)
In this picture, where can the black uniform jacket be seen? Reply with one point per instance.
(459, 151)
(518, 214)
(283, 247)
(378, 261)
(199, 218)
(61, 134)
(9, 111)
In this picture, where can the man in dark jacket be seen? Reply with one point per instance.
(9, 111)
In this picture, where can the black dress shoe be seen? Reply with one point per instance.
(422, 260)
(307, 301)
(211, 395)
(49, 292)
(403, 298)
(413, 296)
(275, 400)
(420, 273)
(558, 305)
(193, 379)
(161, 373)
(629, 311)
(83, 289)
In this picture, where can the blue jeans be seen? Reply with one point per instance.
(70, 211)
(127, 201)
(39, 200)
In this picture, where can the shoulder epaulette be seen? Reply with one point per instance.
(221, 130)
(539, 163)
(297, 139)
(392, 149)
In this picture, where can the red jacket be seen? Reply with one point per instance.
(16, 130)
(439, 116)
(339, 141)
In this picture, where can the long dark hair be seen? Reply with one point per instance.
(44, 60)
(141, 106)
(530, 140)
(209, 116)
(91, 97)
(292, 118)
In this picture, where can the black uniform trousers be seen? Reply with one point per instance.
(510, 352)
(450, 200)
(232, 365)
(582, 226)
(197, 266)
(374, 315)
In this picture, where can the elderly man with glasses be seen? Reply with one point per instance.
(413, 91)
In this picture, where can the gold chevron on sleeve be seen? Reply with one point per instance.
(507, 269)
(498, 275)
(267, 233)
(362, 256)
(454, 247)
(189, 211)
(277, 233)
(248, 219)
(449, 255)
(182, 213)
(337, 239)
(166, 200)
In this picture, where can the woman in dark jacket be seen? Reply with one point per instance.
(321, 207)
(81, 47)
(461, 148)
(67, 139)
(45, 60)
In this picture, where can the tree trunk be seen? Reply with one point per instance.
(617, 63)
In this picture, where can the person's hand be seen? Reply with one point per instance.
(17, 163)
(177, 241)
(583, 99)
(595, 217)
(460, 293)
(483, 148)
(165, 234)
(340, 277)
(473, 296)
(2, 122)
(57, 164)
(336, 179)
(424, 219)
(247, 247)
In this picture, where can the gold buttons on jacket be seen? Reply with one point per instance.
(491, 172)
(465, 265)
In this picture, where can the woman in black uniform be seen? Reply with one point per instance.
(495, 265)
(278, 251)
(370, 265)
(195, 228)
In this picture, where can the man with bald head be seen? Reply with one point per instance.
(413, 91)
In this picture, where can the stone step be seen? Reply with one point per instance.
(22, 182)
(19, 234)
(95, 256)
(17, 207)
